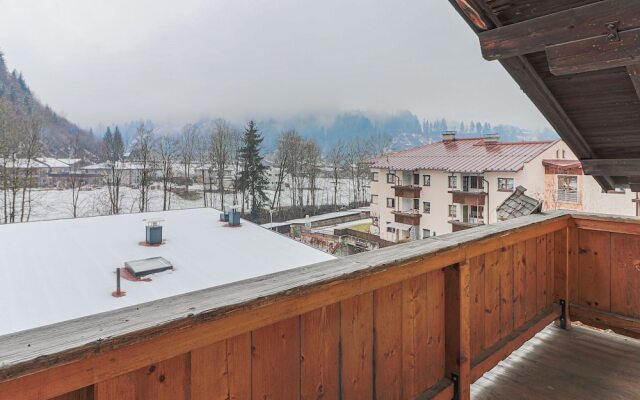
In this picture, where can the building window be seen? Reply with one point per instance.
(375, 221)
(374, 199)
(391, 202)
(568, 188)
(506, 184)
(391, 178)
(472, 183)
(453, 211)
(391, 230)
(426, 180)
(426, 207)
(374, 177)
(426, 233)
(453, 182)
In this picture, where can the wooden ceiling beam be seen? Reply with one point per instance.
(595, 54)
(566, 26)
(612, 167)
(634, 73)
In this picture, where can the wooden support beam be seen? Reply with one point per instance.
(634, 74)
(611, 167)
(595, 54)
(457, 328)
(566, 26)
(623, 325)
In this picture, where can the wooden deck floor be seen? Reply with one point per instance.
(578, 364)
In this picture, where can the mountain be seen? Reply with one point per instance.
(58, 134)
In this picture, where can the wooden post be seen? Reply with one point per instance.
(457, 328)
(571, 270)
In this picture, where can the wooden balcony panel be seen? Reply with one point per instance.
(469, 198)
(410, 218)
(408, 191)
(396, 303)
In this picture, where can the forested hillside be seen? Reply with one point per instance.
(58, 134)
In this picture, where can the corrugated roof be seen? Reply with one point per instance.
(470, 155)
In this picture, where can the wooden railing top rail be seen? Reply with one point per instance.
(217, 313)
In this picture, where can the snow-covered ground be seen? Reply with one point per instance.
(57, 204)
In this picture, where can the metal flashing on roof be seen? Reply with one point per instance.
(148, 266)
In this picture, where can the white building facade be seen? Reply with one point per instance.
(457, 184)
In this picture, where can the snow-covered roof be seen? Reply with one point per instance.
(127, 165)
(317, 218)
(54, 271)
(57, 162)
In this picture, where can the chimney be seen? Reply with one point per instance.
(491, 138)
(153, 232)
(448, 136)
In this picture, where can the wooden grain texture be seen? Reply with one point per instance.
(166, 380)
(356, 315)
(562, 27)
(457, 327)
(492, 298)
(387, 319)
(561, 272)
(550, 274)
(275, 361)
(505, 270)
(80, 394)
(625, 275)
(222, 371)
(541, 265)
(531, 290)
(319, 348)
(620, 324)
(594, 286)
(415, 337)
(477, 275)
(435, 326)
(519, 284)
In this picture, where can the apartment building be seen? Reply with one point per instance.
(458, 183)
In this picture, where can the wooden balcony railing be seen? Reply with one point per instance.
(407, 191)
(419, 320)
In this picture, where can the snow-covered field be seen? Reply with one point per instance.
(57, 204)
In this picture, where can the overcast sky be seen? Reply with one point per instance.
(104, 61)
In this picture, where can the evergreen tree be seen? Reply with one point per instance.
(253, 178)
(118, 144)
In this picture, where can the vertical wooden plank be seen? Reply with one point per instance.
(435, 326)
(166, 380)
(387, 320)
(356, 331)
(319, 348)
(519, 284)
(541, 265)
(550, 268)
(491, 298)
(625, 275)
(505, 266)
(85, 393)
(531, 289)
(119, 388)
(560, 274)
(275, 361)
(222, 370)
(415, 351)
(594, 288)
(573, 250)
(457, 327)
(169, 381)
(476, 266)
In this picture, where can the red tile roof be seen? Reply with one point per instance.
(469, 155)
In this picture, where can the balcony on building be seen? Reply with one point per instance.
(410, 216)
(470, 217)
(471, 190)
(406, 185)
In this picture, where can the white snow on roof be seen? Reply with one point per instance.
(317, 218)
(54, 271)
(329, 229)
(57, 162)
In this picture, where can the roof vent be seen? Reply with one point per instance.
(491, 138)
(154, 232)
(147, 266)
(224, 216)
(234, 216)
(448, 136)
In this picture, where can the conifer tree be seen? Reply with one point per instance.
(253, 178)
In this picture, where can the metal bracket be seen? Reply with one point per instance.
(613, 34)
(456, 387)
(563, 315)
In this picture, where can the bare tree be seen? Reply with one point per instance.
(282, 162)
(75, 178)
(113, 153)
(222, 153)
(312, 158)
(188, 144)
(336, 161)
(145, 157)
(167, 149)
